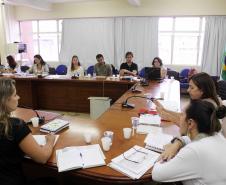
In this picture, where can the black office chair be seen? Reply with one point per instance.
(52, 71)
(24, 68)
(173, 73)
(222, 89)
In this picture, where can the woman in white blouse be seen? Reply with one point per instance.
(203, 160)
(76, 68)
(39, 66)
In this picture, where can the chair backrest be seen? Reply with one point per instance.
(61, 70)
(222, 89)
(184, 72)
(114, 70)
(142, 72)
(52, 71)
(90, 70)
(173, 73)
(24, 68)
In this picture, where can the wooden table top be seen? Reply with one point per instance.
(114, 119)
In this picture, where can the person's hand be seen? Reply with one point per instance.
(50, 138)
(170, 150)
(160, 109)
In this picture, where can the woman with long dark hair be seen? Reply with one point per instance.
(201, 86)
(203, 160)
(39, 66)
(12, 64)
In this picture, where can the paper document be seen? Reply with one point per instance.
(170, 105)
(145, 129)
(150, 119)
(156, 141)
(76, 157)
(41, 139)
(134, 162)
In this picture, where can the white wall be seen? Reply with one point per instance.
(112, 8)
(122, 8)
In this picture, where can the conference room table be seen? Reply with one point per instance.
(114, 119)
(60, 92)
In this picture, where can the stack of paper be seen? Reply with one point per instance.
(54, 126)
(145, 129)
(150, 119)
(134, 162)
(156, 141)
(75, 157)
(170, 105)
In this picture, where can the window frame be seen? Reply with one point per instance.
(173, 34)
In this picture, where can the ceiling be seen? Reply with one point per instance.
(47, 4)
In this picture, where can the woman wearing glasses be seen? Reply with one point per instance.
(203, 161)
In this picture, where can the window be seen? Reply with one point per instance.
(181, 40)
(42, 37)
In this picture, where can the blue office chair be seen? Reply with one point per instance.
(184, 80)
(142, 72)
(90, 70)
(61, 70)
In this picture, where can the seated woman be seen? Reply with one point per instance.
(201, 86)
(157, 62)
(12, 65)
(39, 66)
(76, 68)
(16, 138)
(129, 67)
(198, 162)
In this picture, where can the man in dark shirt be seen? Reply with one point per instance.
(129, 67)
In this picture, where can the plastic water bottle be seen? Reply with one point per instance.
(94, 75)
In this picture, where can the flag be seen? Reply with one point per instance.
(223, 69)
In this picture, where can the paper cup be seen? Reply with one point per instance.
(35, 121)
(87, 137)
(106, 143)
(127, 132)
(109, 134)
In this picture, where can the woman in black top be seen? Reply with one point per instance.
(16, 138)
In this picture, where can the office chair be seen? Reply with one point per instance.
(90, 70)
(61, 70)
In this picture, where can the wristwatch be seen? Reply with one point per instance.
(179, 139)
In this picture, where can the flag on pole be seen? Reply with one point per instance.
(223, 69)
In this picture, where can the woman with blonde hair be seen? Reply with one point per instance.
(16, 138)
(76, 68)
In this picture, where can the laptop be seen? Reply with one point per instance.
(152, 73)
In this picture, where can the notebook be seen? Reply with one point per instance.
(150, 119)
(54, 126)
(135, 162)
(156, 141)
(76, 157)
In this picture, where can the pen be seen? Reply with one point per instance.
(81, 158)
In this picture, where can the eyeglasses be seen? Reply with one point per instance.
(137, 156)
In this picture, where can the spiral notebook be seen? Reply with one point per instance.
(54, 126)
(156, 141)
